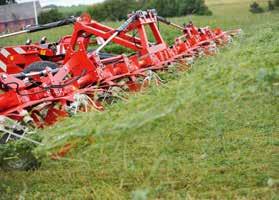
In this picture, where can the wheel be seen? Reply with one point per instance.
(15, 156)
(24, 162)
(39, 66)
(17, 159)
(3, 139)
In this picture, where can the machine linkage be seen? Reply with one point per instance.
(44, 82)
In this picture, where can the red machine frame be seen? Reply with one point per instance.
(43, 97)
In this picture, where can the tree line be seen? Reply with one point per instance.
(5, 2)
(118, 9)
(255, 7)
(115, 10)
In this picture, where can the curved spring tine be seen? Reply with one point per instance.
(93, 103)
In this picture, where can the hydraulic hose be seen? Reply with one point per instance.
(165, 21)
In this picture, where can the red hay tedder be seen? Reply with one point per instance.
(40, 83)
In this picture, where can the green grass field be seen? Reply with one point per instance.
(211, 133)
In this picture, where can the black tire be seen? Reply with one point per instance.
(25, 162)
(39, 66)
(4, 138)
(19, 159)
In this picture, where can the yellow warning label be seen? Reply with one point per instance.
(43, 52)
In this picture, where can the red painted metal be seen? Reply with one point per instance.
(47, 96)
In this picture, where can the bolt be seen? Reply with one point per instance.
(4, 76)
